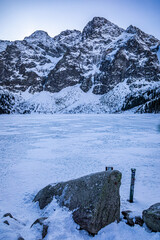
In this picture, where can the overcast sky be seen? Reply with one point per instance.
(20, 18)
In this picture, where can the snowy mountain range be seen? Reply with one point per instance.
(103, 69)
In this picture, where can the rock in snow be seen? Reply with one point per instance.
(151, 217)
(40, 221)
(113, 70)
(94, 199)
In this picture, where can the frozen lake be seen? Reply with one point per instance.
(36, 150)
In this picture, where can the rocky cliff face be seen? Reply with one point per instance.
(103, 69)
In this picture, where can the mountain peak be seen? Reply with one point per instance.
(134, 30)
(99, 21)
(99, 26)
(38, 35)
(147, 38)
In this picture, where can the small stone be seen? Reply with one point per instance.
(126, 213)
(130, 222)
(139, 221)
(6, 222)
(40, 221)
(45, 231)
(8, 215)
(20, 238)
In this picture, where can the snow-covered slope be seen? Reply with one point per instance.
(103, 69)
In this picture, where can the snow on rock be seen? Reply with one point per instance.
(73, 100)
(39, 36)
(104, 61)
(100, 27)
(68, 38)
(85, 196)
(3, 45)
(151, 217)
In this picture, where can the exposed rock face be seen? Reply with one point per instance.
(7, 102)
(151, 217)
(107, 63)
(152, 106)
(94, 199)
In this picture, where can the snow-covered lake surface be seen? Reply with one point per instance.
(36, 150)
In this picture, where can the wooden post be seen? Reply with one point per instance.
(133, 172)
(109, 168)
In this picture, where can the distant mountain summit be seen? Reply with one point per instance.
(38, 35)
(100, 27)
(104, 69)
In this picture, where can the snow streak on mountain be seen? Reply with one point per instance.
(104, 69)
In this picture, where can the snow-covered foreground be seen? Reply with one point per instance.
(36, 150)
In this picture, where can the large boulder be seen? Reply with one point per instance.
(151, 217)
(94, 199)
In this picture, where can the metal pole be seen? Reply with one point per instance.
(133, 173)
